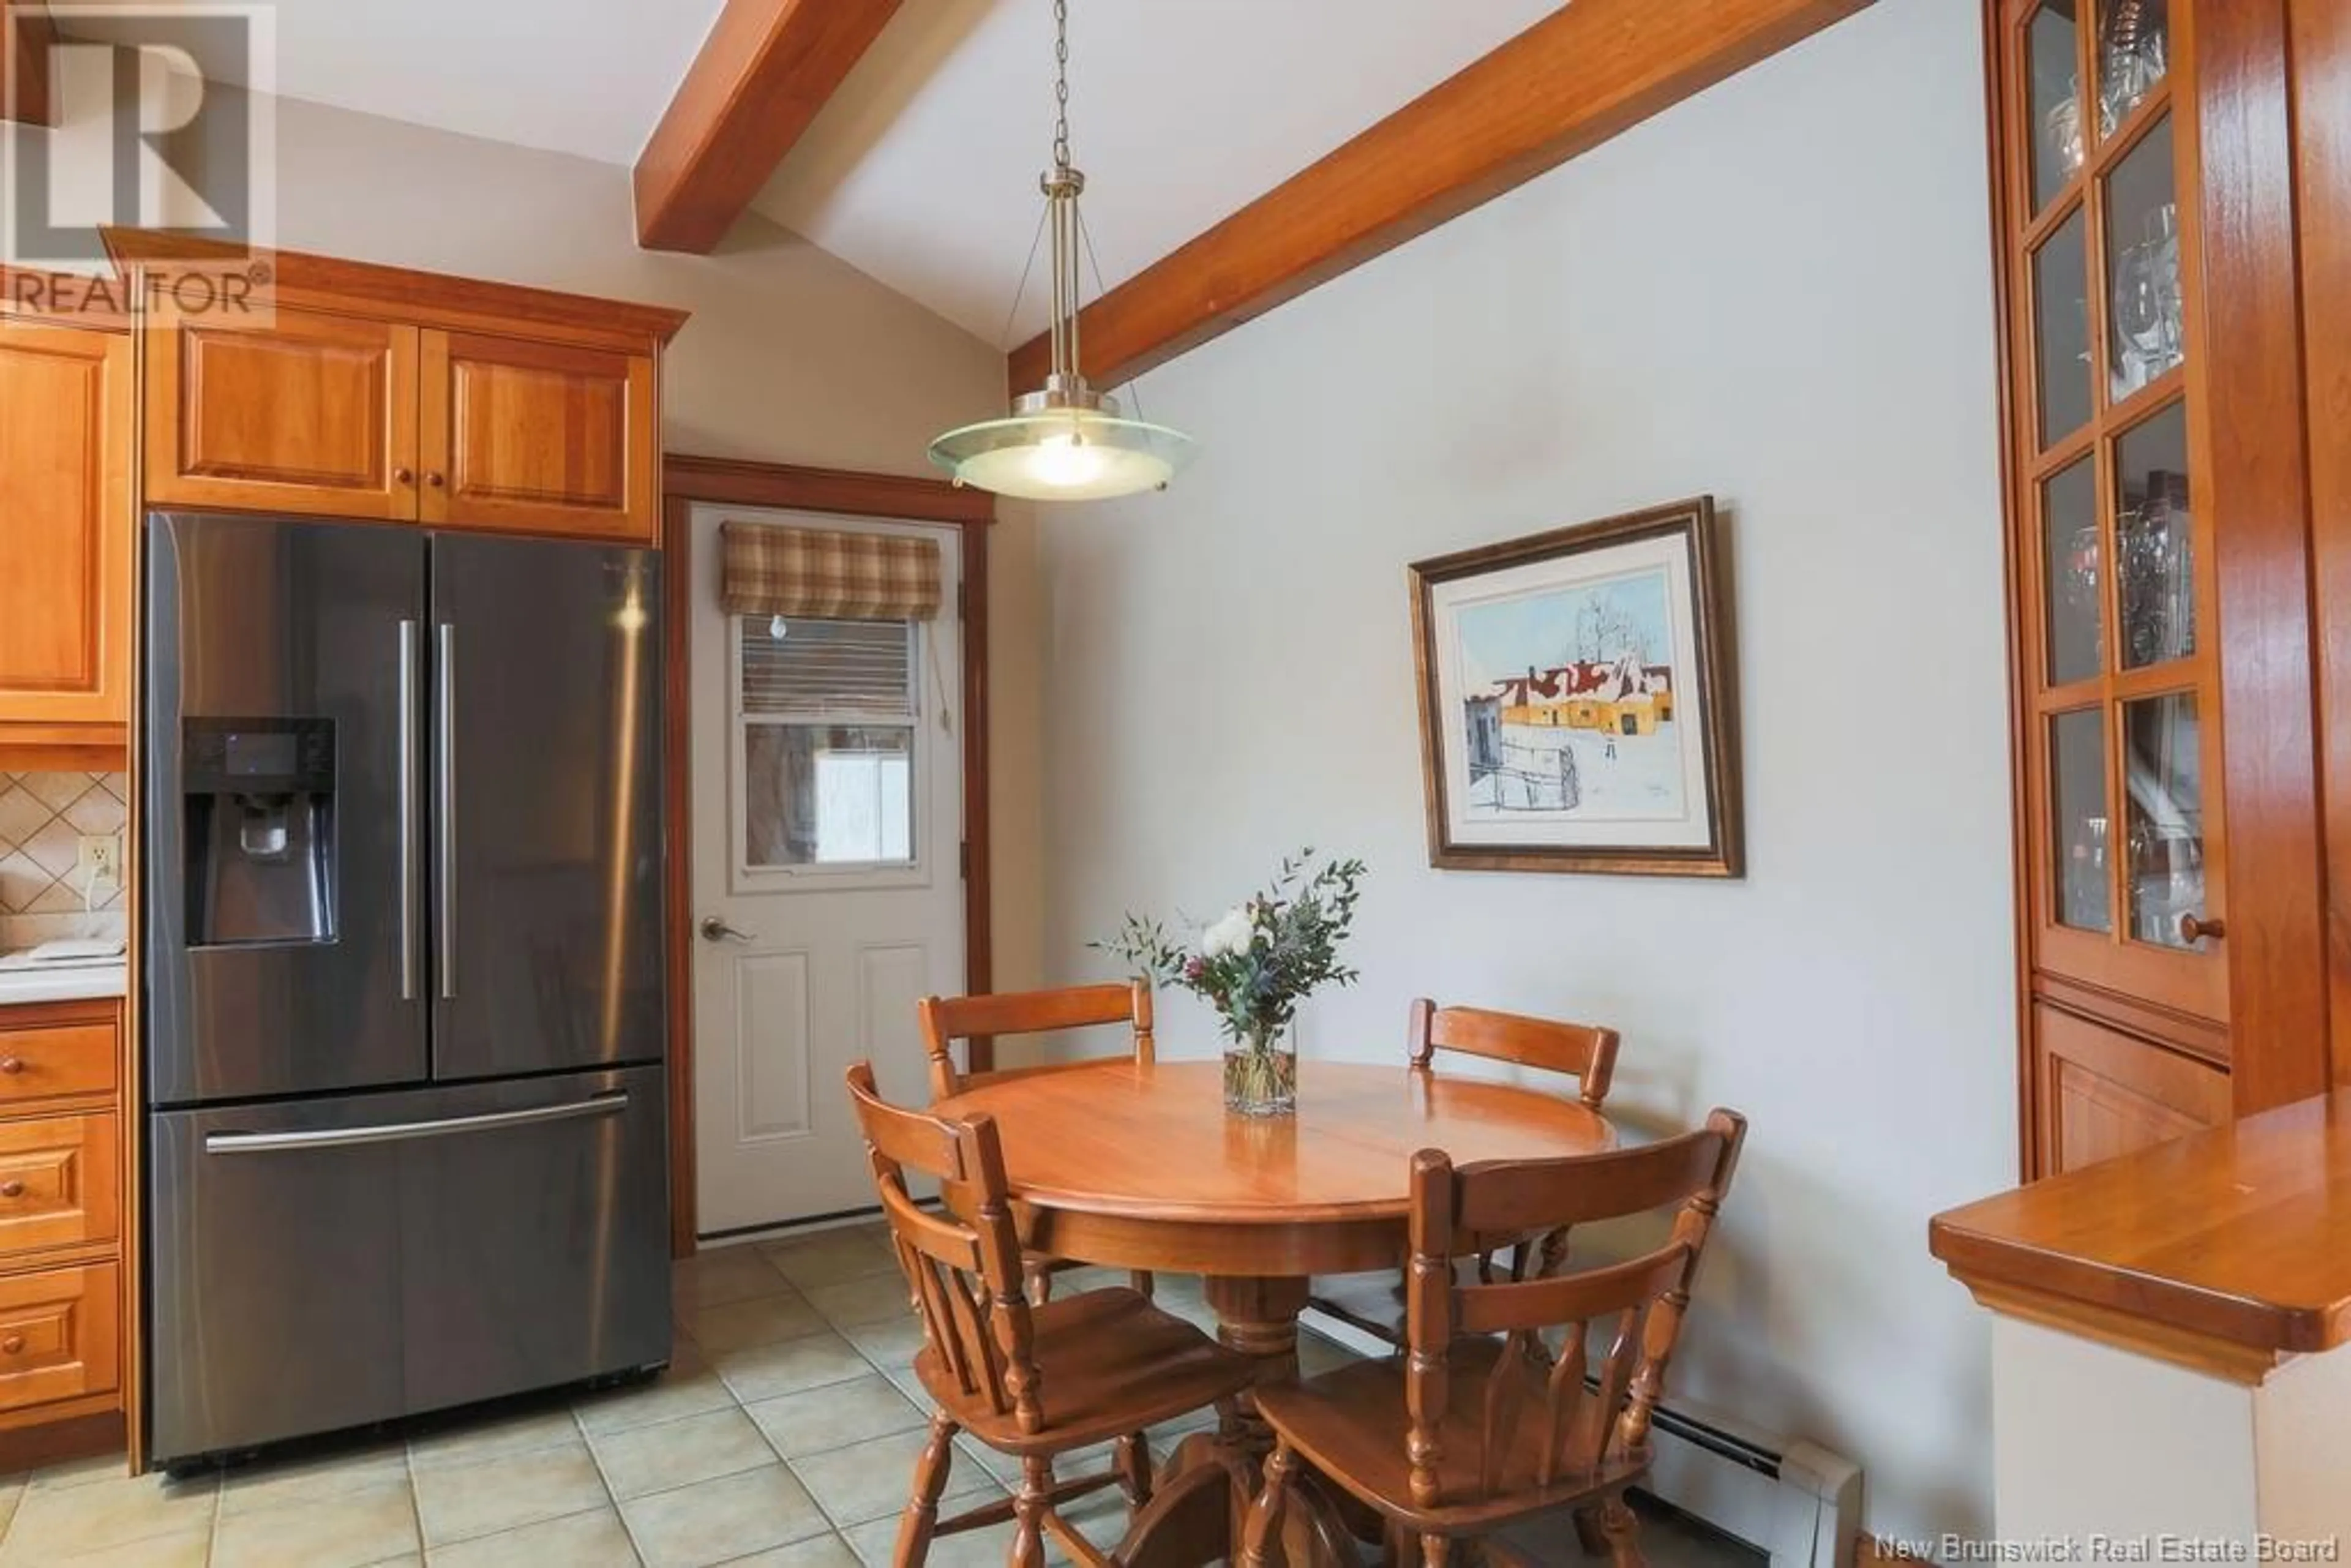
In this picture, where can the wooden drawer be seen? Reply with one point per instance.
(58, 1335)
(58, 1182)
(40, 1060)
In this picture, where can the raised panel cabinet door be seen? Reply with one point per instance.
(59, 1182)
(59, 1334)
(2105, 1093)
(538, 437)
(302, 413)
(65, 524)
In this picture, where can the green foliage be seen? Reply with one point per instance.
(1265, 957)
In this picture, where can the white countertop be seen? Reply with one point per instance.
(60, 983)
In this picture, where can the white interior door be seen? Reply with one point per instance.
(827, 879)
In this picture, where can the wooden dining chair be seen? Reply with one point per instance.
(1374, 1302)
(1032, 1382)
(1480, 1424)
(947, 1019)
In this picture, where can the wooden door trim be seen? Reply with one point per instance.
(688, 481)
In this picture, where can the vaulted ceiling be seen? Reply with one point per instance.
(1250, 149)
(922, 171)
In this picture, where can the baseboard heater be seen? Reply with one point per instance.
(1791, 1500)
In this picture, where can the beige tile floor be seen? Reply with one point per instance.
(784, 1433)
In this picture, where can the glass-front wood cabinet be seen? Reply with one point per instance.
(2120, 497)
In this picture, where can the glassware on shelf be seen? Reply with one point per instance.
(2155, 541)
(2064, 126)
(2163, 790)
(2060, 288)
(2077, 790)
(2149, 318)
(2077, 609)
(2057, 143)
(2134, 54)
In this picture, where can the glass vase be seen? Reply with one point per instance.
(1261, 1074)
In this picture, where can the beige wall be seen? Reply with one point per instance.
(1779, 293)
(791, 355)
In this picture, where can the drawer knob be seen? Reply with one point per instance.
(12, 1189)
(12, 1064)
(404, 475)
(434, 479)
(13, 1343)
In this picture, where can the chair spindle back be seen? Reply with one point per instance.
(947, 1020)
(1586, 1051)
(963, 1263)
(1541, 1425)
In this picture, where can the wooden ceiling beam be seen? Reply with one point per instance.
(766, 69)
(1580, 76)
(25, 36)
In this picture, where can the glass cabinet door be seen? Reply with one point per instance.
(2120, 670)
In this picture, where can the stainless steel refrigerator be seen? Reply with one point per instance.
(404, 975)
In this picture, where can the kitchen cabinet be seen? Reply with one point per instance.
(66, 1319)
(530, 436)
(2171, 908)
(2108, 1092)
(373, 393)
(67, 521)
(310, 413)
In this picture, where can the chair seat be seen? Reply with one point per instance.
(1108, 1363)
(1349, 1425)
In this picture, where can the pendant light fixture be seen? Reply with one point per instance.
(1064, 442)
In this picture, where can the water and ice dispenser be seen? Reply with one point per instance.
(259, 796)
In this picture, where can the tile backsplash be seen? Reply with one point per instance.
(42, 819)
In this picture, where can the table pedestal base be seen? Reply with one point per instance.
(1202, 1498)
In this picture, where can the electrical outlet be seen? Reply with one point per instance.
(100, 859)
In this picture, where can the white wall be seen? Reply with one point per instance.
(1780, 294)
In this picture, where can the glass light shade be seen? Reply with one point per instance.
(1065, 453)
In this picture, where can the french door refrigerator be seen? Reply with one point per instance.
(405, 977)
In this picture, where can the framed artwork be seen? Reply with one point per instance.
(1577, 707)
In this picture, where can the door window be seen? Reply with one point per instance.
(827, 748)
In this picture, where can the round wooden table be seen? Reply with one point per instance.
(1138, 1166)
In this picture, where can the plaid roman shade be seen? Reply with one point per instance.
(817, 572)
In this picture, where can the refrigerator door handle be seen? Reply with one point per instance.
(445, 805)
(403, 1132)
(410, 650)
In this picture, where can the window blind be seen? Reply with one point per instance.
(823, 667)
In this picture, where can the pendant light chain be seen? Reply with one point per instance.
(1062, 84)
(1063, 441)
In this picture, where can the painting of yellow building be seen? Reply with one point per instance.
(1626, 697)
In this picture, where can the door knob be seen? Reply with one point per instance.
(716, 930)
(2192, 930)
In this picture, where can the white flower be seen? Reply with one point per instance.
(1232, 934)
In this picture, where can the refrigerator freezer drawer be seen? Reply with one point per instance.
(337, 1263)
